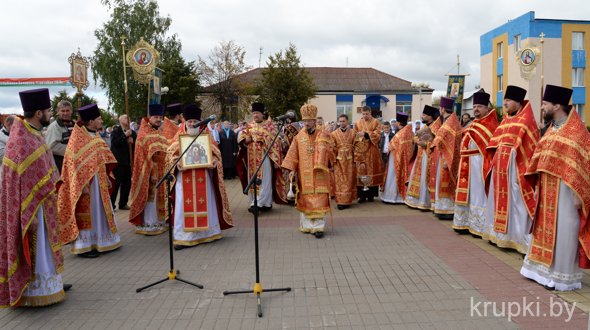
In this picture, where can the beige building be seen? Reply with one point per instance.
(347, 90)
(512, 54)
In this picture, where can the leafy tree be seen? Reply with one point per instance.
(181, 78)
(218, 72)
(135, 19)
(285, 84)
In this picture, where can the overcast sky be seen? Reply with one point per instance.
(416, 40)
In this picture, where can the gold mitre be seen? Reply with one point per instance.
(309, 111)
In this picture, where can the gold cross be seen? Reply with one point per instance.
(201, 200)
(200, 180)
(502, 193)
(187, 180)
(187, 201)
(504, 153)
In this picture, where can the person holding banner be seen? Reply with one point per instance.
(201, 207)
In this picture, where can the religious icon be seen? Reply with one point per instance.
(527, 57)
(199, 154)
(142, 56)
(79, 73)
(454, 90)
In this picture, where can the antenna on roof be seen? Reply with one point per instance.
(260, 57)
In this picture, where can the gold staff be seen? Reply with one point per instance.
(126, 97)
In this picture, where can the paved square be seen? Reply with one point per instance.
(380, 266)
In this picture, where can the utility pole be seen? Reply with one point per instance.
(260, 57)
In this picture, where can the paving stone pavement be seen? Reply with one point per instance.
(378, 267)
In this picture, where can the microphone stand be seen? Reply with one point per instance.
(254, 182)
(172, 273)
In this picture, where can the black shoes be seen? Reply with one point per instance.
(90, 254)
(67, 287)
(260, 208)
(179, 247)
(342, 207)
(318, 234)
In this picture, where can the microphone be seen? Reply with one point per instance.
(289, 114)
(207, 120)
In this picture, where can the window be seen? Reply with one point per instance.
(517, 43)
(403, 103)
(578, 77)
(580, 109)
(404, 107)
(500, 83)
(344, 107)
(577, 40)
(500, 49)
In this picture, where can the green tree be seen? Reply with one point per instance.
(285, 84)
(218, 72)
(181, 78)
(133, 19)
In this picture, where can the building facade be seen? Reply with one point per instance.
(347, 90)
(561, 59)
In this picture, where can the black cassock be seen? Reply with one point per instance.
(229, 151)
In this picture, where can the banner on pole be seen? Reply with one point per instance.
(455, 91)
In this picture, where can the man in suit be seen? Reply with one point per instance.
(386, 136)
(228, 144)
(121, 138)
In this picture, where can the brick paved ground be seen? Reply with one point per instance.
(380, 267)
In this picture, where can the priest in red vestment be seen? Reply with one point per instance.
(560, 243)
(201, 207)
(31, 261)
(511, 198)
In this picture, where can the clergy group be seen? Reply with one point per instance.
(496, 178)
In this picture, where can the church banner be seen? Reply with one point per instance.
(455, 91)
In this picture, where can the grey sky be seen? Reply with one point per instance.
(415, 40)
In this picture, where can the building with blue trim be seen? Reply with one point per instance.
(562, 60)
(347, 90)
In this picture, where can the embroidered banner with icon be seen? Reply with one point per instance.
(194, 187)
(455, 91)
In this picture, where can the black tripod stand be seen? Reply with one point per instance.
(254, 182)
(172, 273)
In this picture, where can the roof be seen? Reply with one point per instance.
(347, 80)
